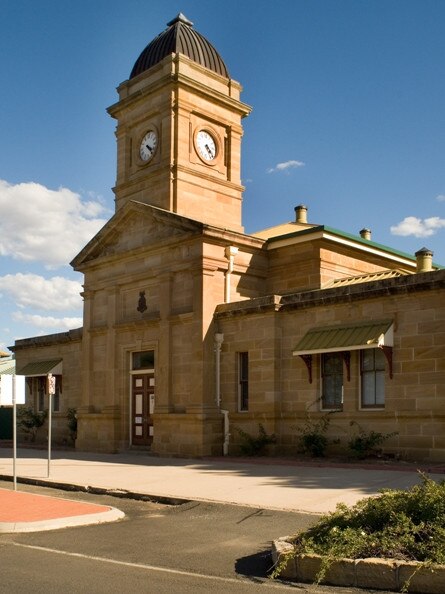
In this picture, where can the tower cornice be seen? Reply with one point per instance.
(134, 90)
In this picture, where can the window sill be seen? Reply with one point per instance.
(327, 410)
(368, 408)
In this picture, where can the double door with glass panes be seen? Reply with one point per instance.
(143, 402)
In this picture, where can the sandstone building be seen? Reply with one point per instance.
(193, 328)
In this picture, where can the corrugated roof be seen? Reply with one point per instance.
(364, 278)
(37, 368)
(7, 367)
(346, 337)
(180, 37)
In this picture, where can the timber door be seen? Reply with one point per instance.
(143, 401)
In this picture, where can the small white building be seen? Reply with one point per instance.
(7, 373)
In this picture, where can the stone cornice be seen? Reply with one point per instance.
(210, 177)
(48, 340)
(248, 307)
(176, 77)
(426, 281)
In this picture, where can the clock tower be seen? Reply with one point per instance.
(179, 130)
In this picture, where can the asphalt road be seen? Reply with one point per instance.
(190, 548)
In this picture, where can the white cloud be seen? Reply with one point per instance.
(286, 166)
(440, 198)
(34, 291)
(47, 323)
(418, 227)
(50, 226)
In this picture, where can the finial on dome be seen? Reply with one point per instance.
(180, 18)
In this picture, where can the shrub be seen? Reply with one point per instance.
(255, 445)
(72, 423)
(30, 421)
(314, 444)
(403, 525)
(312, 439)
(365, 444)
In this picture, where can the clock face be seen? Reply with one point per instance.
(206, 145)
(148, 146)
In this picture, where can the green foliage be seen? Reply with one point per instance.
(72, 422)
(403, 525)
(312, 439)
(314, 444)
(30, 421)
(364, 445)
(255, 445)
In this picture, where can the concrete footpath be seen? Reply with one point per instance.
(265, 483)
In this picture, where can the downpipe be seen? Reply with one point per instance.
(226, 432)
(230, 253)
(219, 339)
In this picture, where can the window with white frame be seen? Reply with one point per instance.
(243, 381)
(332, 380)
(372, 371)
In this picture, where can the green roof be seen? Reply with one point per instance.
(350, 236)
(345, 337)
(7, 367)
(38, 368)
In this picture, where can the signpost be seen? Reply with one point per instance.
(14, 432)
(51, 391)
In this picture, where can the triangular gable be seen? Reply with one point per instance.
(134, 226)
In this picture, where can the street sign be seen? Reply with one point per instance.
(51, 392)
(51, 384)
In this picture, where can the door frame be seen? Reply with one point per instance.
(130, 353)
(142, 422)
(130, 396)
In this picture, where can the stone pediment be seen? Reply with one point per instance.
(135, 226)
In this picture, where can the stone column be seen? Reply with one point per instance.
(86, 357)
(111, 359)
(163, 362)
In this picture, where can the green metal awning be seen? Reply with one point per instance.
(7, 367)
(39, 368)
(366, 335)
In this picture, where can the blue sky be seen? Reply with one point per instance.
(348, 118)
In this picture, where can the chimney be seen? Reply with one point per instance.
(301, 214)
(365, 234)
(424, 259)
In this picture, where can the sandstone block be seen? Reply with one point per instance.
(281, 550)
(381, 573)
(427, 580)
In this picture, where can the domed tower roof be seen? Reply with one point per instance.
(180, 37)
